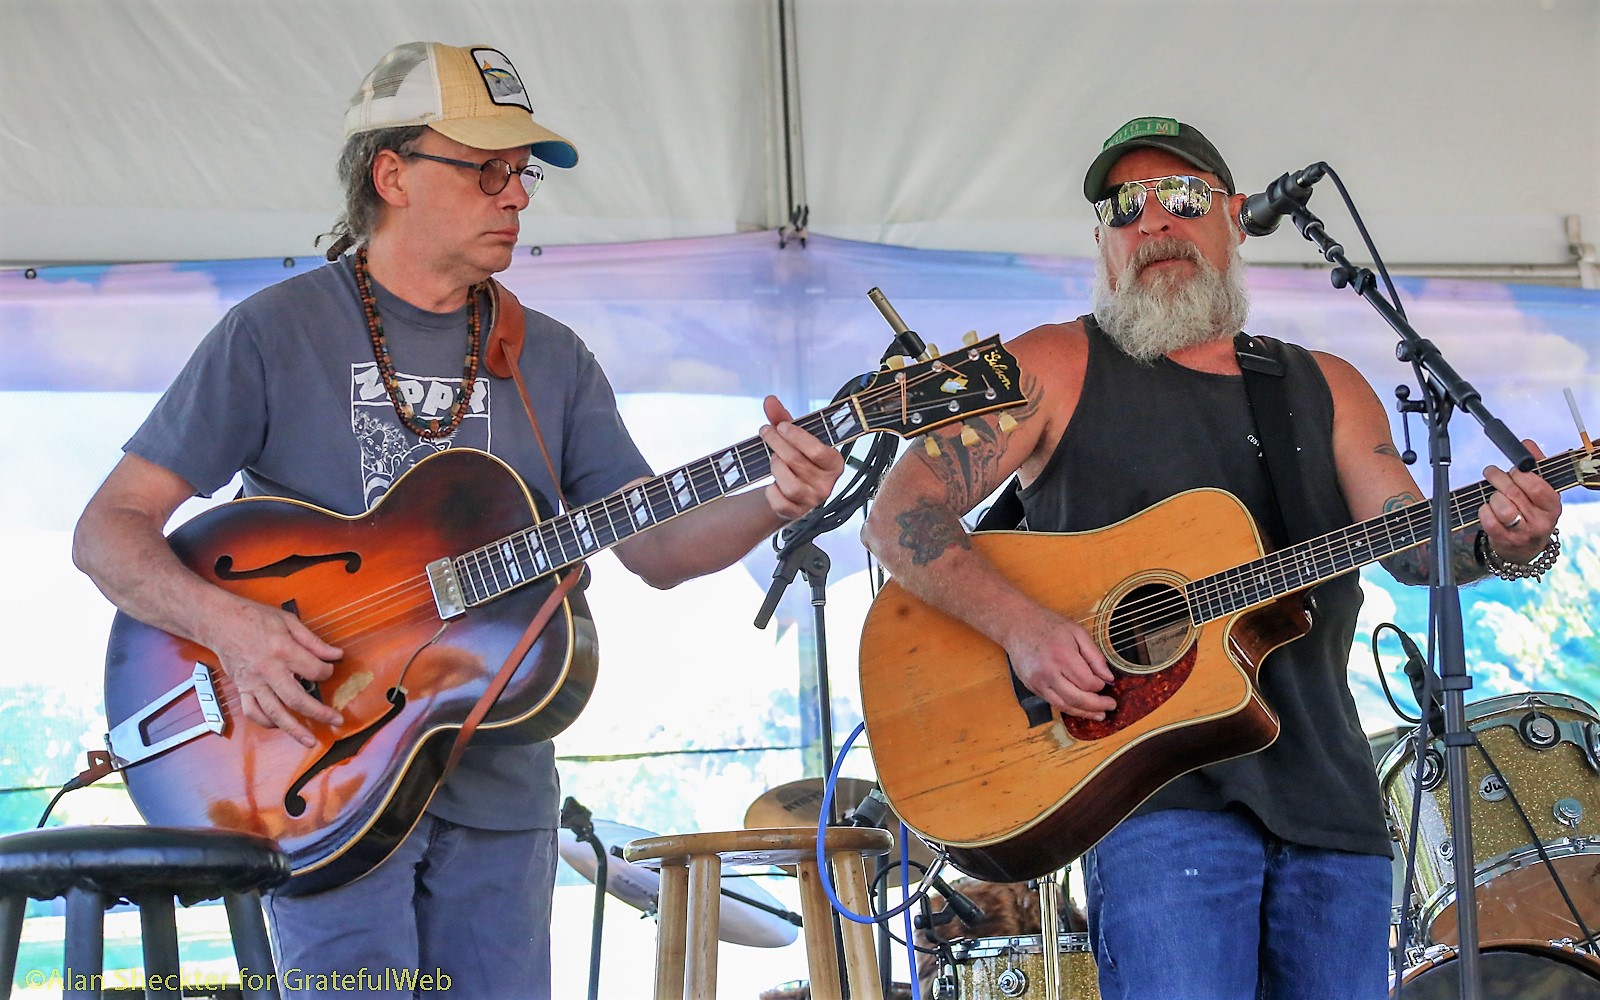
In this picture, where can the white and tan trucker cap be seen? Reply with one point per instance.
(471, 94)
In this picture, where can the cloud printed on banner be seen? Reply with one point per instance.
(123, 328)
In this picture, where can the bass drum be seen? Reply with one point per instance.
(1511, 970)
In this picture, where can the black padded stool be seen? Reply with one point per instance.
(95, 867)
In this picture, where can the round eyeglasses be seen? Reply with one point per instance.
(493, 175)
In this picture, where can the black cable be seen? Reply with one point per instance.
(881, 883)
(1383, 679)
(1361, 227)
(64, 789)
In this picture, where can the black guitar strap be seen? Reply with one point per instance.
(1261, 362)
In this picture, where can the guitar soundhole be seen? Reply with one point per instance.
(1149, 627)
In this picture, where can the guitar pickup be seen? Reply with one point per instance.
(446, 586)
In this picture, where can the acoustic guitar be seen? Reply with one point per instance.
(427, 594)
(1183, 603)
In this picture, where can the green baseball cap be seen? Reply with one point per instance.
(1180, 139)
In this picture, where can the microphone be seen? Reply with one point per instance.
(873, 808)
(960, 905)
(1261, 213)
(1416, 669)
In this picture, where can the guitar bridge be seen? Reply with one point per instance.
(127, 742)
(446, 589)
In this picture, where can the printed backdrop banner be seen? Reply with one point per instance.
(696, 712)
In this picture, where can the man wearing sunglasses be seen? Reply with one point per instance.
(326, 388)
(1266, 876)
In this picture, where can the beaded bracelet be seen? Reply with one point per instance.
(1536, 569)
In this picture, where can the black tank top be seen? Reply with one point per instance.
(1143, 433)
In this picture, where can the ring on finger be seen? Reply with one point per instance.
(1515, 520)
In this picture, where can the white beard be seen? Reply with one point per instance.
(1167, 313)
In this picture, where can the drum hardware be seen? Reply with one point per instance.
(1014, 967)
(1539, 731)
(1050, 933)
(1526, 859)
(1512, 970)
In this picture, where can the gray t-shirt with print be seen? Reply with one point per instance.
(285, 390)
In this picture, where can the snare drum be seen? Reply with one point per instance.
(1509, 970)
(1546, 745)
(994, 967)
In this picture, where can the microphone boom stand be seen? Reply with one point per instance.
(1445, 391)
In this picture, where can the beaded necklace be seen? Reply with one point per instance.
(432, 429)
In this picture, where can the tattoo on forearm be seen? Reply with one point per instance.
(1415, 565)
(928, 529)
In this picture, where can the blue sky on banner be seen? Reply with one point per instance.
(692, 333)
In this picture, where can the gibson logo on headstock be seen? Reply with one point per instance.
(1000, 367)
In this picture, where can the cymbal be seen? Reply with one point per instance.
(799, 803)
(640, 887)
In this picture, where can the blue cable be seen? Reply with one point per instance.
(826, 876)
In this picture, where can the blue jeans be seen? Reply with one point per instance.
(471, 904)
(1190, 905)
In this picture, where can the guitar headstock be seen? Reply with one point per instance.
(980, 378)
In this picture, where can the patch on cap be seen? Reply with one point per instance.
(1143, 126)
(500, 78)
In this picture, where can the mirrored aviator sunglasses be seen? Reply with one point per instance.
(1184, 195)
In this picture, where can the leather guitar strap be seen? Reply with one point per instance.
(506, 333)
(1261, 362)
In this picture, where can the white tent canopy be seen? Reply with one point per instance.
(1467, 130)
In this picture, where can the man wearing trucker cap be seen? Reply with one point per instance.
(1269, 875)
(326, 388)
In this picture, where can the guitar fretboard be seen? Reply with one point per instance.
(1315, 560)
(487, 572)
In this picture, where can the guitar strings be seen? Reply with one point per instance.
(334, 620)
(352, 626)
(1405, 528)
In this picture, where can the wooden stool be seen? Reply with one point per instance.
(95, 867)
(689, 906)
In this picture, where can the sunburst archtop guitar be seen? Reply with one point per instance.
(427, 593)
(1184, 605)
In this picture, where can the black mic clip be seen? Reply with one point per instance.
(1261, 213)
(955, 902)
(872, 810)
(1416, 671)
(577, 818)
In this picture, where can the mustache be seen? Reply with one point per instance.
(1164, 248)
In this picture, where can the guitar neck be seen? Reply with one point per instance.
(561, 541)
(1308, 563)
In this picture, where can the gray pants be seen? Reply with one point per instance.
(455, 911)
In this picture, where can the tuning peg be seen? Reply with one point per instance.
(931, 352)
(1007, 423)
(931, 446)
(969, 338)
(969, 437)
(896, 362)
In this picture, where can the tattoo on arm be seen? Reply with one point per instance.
(928, 529)
(1415, 565)
(1386, 449)
(968, 472)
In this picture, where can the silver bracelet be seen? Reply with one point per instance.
(1536, 569)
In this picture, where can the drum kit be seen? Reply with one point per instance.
(1535, 846)
(1535, 852)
